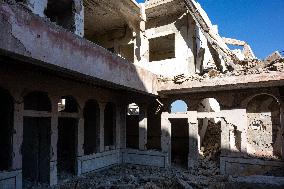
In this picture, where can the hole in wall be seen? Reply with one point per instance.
(162, 48)
(61, 12)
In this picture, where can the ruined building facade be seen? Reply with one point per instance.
(88, 84)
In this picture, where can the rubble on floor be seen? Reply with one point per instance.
(146, 177)
(275, 62)
(143, 177)
(210, 151)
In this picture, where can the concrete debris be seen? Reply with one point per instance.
(247, 51)
(145, 177)
(246, 67)
(273, 57)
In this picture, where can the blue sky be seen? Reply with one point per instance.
(258, 22)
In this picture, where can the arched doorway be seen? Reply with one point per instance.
(179, 135)
(264, 129)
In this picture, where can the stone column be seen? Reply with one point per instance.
(80, 143)
(18, 132)
(54, 139)
(102, 120)
(142, 127)
(118, 127)
(166, 136)
(81, 135)
(225, 137)
(193, 139)
(123, 127)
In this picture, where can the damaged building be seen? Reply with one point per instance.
(87, 85)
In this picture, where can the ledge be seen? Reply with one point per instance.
(272, 79)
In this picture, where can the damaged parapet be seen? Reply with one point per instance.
(67, 14)
(245, 54)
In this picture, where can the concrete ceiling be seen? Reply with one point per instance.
(158, 8)
(102, 16)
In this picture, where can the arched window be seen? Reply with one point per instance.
(264, 129)
(6, 127)
(109, 124)
(68, 104)
(132, 126)
(178, 106)
(91, 127)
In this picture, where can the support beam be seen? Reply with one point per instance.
(203, 22)
(142, 127)
(18, 132)
(102, 122)
(193, 139)
(53, 142)
(166, 136)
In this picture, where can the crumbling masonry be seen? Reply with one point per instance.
(88, 84)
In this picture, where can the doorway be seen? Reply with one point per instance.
(66, 147)
(36, 150)
(179, 142)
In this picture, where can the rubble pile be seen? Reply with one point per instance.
(208, 163)
(143, 177)
(212, 142)
(274, 62)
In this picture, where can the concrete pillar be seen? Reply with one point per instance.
(166, 136)
(18, 133)
(232, 137)
(243, 123)
(80, 151)
(37, 7)
(282, 128)
(54, 139)
(142, 127)
(225, 137)
(79, 18)
(118, 127)
(142, 43)
(102, 120)
(80, 143)
(123, 127)
(193, 139)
